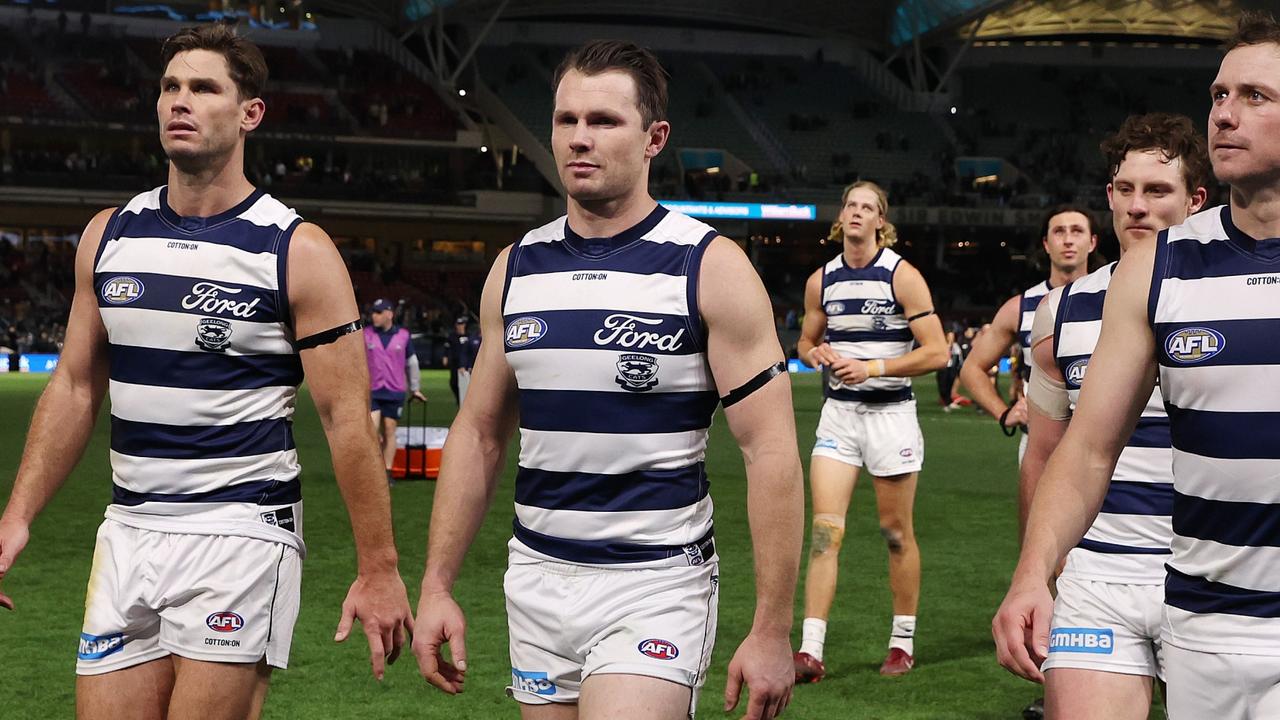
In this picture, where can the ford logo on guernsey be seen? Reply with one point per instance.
(122, 290)
(525, 331)
(1194, 344)
(658, 649)
(224, 622)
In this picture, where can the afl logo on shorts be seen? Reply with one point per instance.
(1076, 371)
(224, 622)
(122, 290)
(834, 308)
(658, 649)
(1194, 344)
(525, 331)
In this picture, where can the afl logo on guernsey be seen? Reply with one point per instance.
(122, 290)
(525, 331)
(1076, 371)
(658, 649)
(834, 308)
(1194, 344)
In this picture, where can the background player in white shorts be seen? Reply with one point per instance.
(177, 313)
(863, 312)
(612, 579)
(1197, 309)
(1105, 638)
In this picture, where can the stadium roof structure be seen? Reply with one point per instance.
(882, 25)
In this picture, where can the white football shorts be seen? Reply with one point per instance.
(883, 438)
(216, 598)
(1108, 627)
(568, 622)
(1221, 686)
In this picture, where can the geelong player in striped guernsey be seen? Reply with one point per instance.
(198, 307)
(1105, 645)
(1198, 308)
(863, 312)
(623, 324)
(1068, 240)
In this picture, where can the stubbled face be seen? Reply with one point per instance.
(1069, 241)
(200, 111)
(860, 217)
(1244, 120)
(600, 142)
(382, 319)
(1147, 195)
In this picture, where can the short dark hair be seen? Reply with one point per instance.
(1173, 135)
(600, 56)
(1255, 27)
(1065, 208)
(245, 64)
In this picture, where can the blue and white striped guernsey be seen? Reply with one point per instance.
(866, 322)
(203, 371)
(616, 396)
(1028, 301)
(1129, 540)
(1215, 312)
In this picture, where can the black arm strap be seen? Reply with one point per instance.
(754, 383)
(917, 316)
(1006, 429)
(328, 336)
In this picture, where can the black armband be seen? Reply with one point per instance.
(328, 336)
(917, 316)
(754, 384)
(1008, 431)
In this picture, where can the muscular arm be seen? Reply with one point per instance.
(1075, 480)
(931, 351)
(475, 451)
(1044, 432)
(988, 348)
(474, 454)
(741, 343)
(65, 414)
(813, 331)
(337, 373)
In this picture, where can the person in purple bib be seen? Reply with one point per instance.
(393, 368)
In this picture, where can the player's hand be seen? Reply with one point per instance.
(379, 601)
(822, 355)
(1017, 413)
(13, 538)
(1021, 628)
(765, 665)
(441, 621)
(417, 395)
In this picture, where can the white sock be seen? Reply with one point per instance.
(813, 637)
(903, 633)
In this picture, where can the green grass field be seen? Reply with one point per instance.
(965, 522)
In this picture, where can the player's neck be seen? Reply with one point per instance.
(209, 190)
(859, 251)
(1256, 212)
(1059, 277)
(606, 218)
